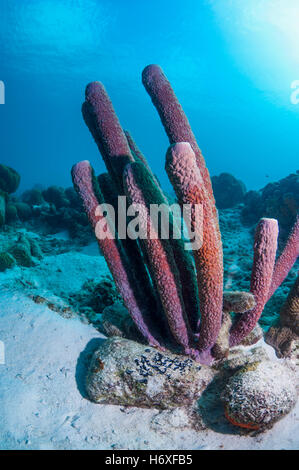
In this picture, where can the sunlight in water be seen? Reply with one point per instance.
(263, 37)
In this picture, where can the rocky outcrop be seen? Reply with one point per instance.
(228, 190)
(9, 179)
(279, 200)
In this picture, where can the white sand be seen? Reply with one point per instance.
(41, 382)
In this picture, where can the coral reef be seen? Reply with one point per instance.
(24, 211)
(11, 213)
(166, 279)
(33, 197)
(55, 195)
(228, 190)
(9, 179)
(45, 211)
(7, 261)
(2, 207)
(278, 200)
(25, 251)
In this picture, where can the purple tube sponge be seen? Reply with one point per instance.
(160, 255)
(84, 181)
(265, 246)
(286, 260)
(157, 278)
(103, 123)
(189, 187)
(173, 118)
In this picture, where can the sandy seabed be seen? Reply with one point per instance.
(42, 399)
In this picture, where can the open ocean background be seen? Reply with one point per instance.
(231, 64)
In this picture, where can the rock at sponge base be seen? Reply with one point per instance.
(259, 395)
(123, 372)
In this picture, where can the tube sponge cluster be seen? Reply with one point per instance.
(174, 296)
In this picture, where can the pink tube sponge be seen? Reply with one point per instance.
(189, 187)
(172, 115)
(103, 123)
(162, 264)
(286, 260)
(265, 246)
(113, 253)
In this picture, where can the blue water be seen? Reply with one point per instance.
(231, 64)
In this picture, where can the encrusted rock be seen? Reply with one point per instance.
(289, 314)
(284, 337)
(240, 357)
(253, 337)
(238, 301)
(221, 348)
(124, 372)
(284, 341)
(259, 395)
